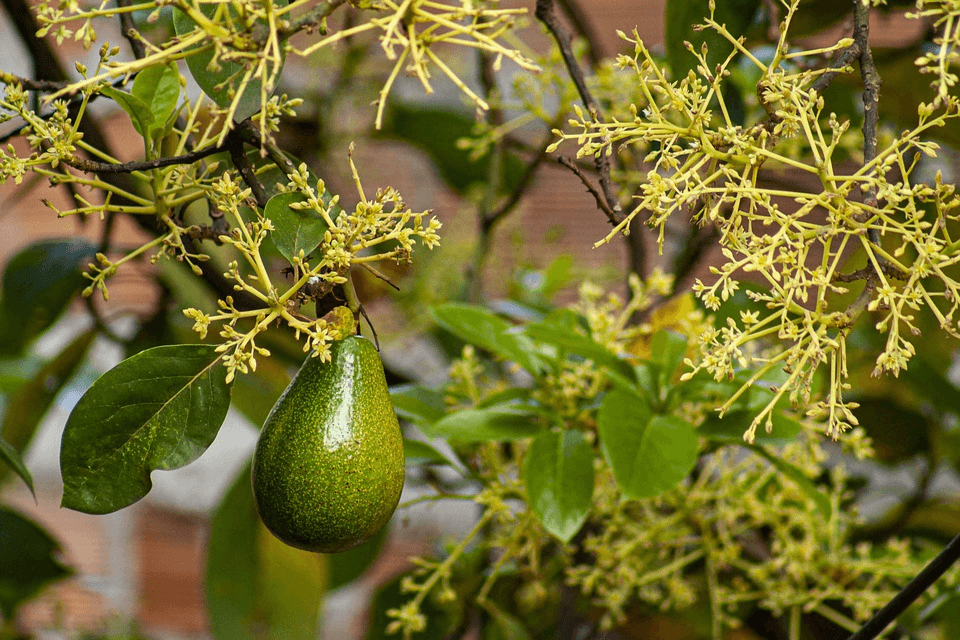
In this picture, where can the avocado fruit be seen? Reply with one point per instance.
(329, 467)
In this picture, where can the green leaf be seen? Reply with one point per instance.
(347, 566)
(139, 111)
(220, 83)
(159, 409)
(481, 425)
(418, 404)
(504, 625)
(667, 350)
(682, 16)
(799, 478)
(295, 230)
(417, 453)
(734, 424)
(481, 327)
(565, 338)
(649, 454)
(12, 458)
(559, 476)
(158, 87)
(27, 406)
(38, 284)
(28, 561)
(256, 587)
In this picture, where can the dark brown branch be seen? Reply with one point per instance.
(847, 57)
(871, 92)
(234, 143)
(107, 168)
(547, 14)
(311, 20)
(33, 85)
(249, 133)
(130, 31)
(580, 21)
(909, 594)
(612, 215)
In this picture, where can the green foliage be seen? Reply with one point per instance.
(297, 232)
(558, 473)
(29, 560)
(648, 453)
(256, 586)
(27, 405)
(235, 81)
(38, 284)
(172, 402)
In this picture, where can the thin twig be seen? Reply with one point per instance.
(581, 22)
(130, 31)
(379, 275)
(547, 14)
(234, 143)
(914, 589)
(33, 85)
(106, 168)
(845, 59)
(601, 202)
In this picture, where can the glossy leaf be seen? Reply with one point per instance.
(139, 111)
(295, 230)
(29, 560)
(12, 458)
(479, 326)
(559, 476)
(417, 404)
(31, 401)
(416, 452)
(256, 587)
(38, 284)
(220, 83)
(159, 409)
(158, 87)
(481, 425)
(649, 454)
(578, 344)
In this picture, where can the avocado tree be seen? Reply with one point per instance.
(682, 446)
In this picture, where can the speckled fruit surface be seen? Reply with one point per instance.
(328, 468)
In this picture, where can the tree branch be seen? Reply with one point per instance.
(612, 215)
(130, 31)
(914, 589)
(547, 14)
(107, 168)
(580, 21)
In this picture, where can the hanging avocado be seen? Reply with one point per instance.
(329, 466)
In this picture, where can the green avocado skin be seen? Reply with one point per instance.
(329, 467)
